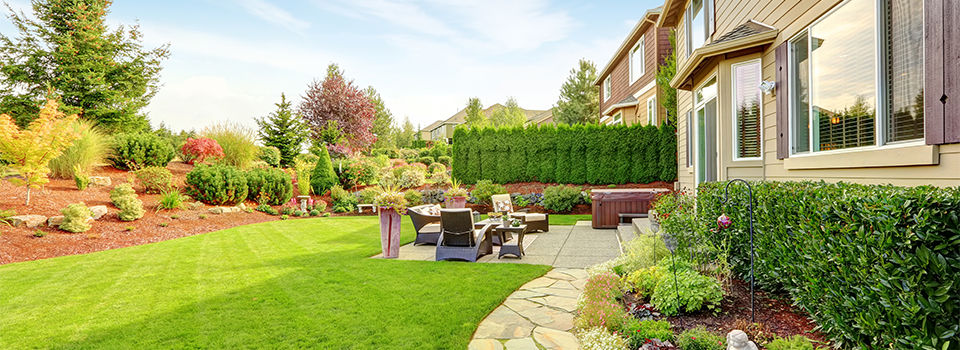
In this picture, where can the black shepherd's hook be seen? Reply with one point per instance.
(726, 199)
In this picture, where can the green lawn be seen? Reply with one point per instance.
(558, 219)
(283, 284)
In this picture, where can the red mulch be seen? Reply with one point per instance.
(537, 187)
(774, 314)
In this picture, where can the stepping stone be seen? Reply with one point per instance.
(484, 344)
(525, 294)
(503, 323)
(563, 303)
(569, 293)
(564, 285)
(554, 339)
(557, 275)
(577, 273)
(550, 318)
(578, 284)
(521, 344)
(30, 221)
(537, 283)
(521, 306)
(98, 211)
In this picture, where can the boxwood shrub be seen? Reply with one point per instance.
(561, 198)
(217, 184)
(270, 186)
(138, 150)
(871, 264)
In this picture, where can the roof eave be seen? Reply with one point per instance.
(705, 52)
(666, 20)
(619, 105)
(623, 46)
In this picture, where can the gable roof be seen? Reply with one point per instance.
(670, 13)
(628, 42)
(747, 35)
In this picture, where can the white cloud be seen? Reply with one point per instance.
(273, 14)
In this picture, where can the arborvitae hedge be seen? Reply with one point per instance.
(575, 154)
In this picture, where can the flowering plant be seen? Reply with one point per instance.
(391, 199)
(456, 190)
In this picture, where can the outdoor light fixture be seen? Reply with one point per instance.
(723, 221)
(767, 87)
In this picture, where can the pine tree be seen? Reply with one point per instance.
(509, 116)
(579, 99)
(104, 75)
(382, 126)
(406, 135)
(665, 73)
(323, 177)
(284, 130)
(475, 117)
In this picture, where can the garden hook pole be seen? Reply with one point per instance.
(726, 198)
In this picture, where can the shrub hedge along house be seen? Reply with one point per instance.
(865, 93)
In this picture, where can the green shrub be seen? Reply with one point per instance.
(644, 281)
(314, 212)
(170, 200)
(124, 197)
(637, 332)
(217, 184)
(700, 339)
(287, 210)
(154, 179)
(485, 189)
(425, 160)
(270, 155)
(299, 213)
(870, 263)
(796, 342)
(445, 160)
(367, 195)
(265, 208)
(436, 168)
(138, 150)
(412, 176)
(644, 251)
(81, 179)
(238, 143)
(343, 201)
(76, 218)
(323, 177)
(269, 186)
(122, 190)
(413, 197)
(696, 290)
(307, 157)
(320, 205)
(561, 198)
(86, 152)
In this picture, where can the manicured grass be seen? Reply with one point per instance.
(283, 284)
(558, 219)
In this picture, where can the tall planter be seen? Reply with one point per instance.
(389, 232)
(457, 202)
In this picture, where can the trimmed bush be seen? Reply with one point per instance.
(81, 179)
(445, 160)
(237, 141)
(566, 154)
(323, 177)
(367, 195)
(87, 151)
(638, 332)
(76, 218)
(561, 198)
(124, 197)
(270, 155)
(413, 197)
(264, 208)
(270, 186)
(700, 339)
(154, 179)
(138, 150)
(486, 189)
(217, 184)
(343, 201)
(796, 342)
(871, 264)
(197, 150)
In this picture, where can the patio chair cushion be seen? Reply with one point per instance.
(433, 210)
(534, 217)
(502, 203)
(430, 228)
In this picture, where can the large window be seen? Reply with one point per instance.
(848, 78)
(652, 111)
(746, 110)
(696, 25)
(637, 66)
(606, 88)
(689, 139)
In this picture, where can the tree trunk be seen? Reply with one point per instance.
(28, 195)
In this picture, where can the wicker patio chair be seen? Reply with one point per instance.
(535, 222)
(459, 240)
(426, 224)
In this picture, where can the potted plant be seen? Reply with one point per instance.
(456, 196)
(390, 203)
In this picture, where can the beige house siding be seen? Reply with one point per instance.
(874, 166)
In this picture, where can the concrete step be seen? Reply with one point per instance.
(641, 226)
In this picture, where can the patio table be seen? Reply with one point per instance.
(499, 235)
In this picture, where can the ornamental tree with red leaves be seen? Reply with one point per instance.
(337, 100)
(196, 150)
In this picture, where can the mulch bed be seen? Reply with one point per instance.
(774, 316)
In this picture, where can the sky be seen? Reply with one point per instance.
(231, 60)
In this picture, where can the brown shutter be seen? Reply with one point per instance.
(941, 99)
(783, 102)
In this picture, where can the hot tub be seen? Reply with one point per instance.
(608, 204)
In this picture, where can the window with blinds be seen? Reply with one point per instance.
(904, 70)
(746, 104)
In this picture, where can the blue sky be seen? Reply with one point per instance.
(230, 60)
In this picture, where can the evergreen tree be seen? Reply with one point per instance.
(382, 126)
(323, 177)
(509, 116)
(475, 117)
(407, 134)
(104, 75)
(668, 69)
(284, 130)
(579, 99)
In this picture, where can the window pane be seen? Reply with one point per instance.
(697, 29)
(689, 139)
(800, 98)
(904, 70)
(747, 103)
(843, 86)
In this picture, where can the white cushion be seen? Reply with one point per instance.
(430, 228)
(534, 217)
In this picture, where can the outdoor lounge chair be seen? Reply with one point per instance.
(459, 240)
(534, 221)
(426, 221)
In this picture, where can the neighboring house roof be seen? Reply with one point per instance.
(626, 102)
(432, 126)
(461, 116)
(744, 36)
(627, 43)
(537, 118)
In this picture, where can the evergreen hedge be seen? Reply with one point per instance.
(875, 266)
(578, 154)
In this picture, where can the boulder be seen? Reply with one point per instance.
(100, 181)
(55, 221)
(30, 221)
(224, 210)
(98, 211)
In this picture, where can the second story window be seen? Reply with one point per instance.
(606, 88)
(698, 24)
(637, 65)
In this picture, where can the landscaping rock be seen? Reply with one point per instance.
(30, 221)
(553, 339)
(98, 211)
(225, 210)
(100, 181)
(484, 344)
(55, 221)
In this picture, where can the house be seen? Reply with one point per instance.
(443, 129)
(833, 90)
(628, 86)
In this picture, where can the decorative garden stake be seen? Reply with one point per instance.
(724, 222)
(671, 242)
